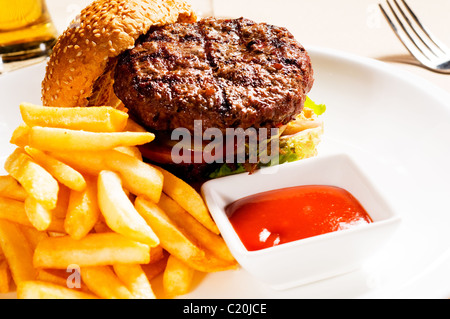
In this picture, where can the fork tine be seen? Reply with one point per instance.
(409, 30)
(422, 48)
(437, 43)
(404, 37)
(429, 43)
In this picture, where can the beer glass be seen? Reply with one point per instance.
(27, 33)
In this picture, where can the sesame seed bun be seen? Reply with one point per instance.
(79, 71)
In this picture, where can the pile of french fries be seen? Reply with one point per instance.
(83, 216)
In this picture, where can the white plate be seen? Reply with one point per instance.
(397, 125)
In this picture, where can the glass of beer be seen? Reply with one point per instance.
(27, 33)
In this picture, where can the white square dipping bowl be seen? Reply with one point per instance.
(315, 258)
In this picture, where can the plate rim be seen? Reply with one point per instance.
(393, 70)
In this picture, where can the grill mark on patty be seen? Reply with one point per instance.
(224, 105)
(226, 72)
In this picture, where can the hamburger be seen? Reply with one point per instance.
(171, 71)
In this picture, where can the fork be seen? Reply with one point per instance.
(422, 45)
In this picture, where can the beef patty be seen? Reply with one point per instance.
(228, 73)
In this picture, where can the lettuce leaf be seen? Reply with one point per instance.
(298, 146)
(318, 109)
(226, 170)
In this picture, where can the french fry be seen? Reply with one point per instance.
(73, 278)
(57, 226)
(70, 278)
(118, 105)
(138, 177)
(130, 150)
(119, 213)
(33, 235)
(132, 126)
(46, 290)
(207, 239)
(171, 238)
(101, 227)
(60, 211)
(92, 250)
(65, 174)
(52, 276)
(177, 278)
(39, 216)
(86, 162)
(10, 188)
(83, 211)
(103, 282)
(58, 139)
(153, 269)
(156, 253)
(175, 241)
(5, 277)
(13, 211)
(135, 280)
(37, 182)
(20, 135)
(188, 198)
(18, 252)
(92, 119)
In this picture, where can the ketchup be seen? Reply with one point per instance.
(285, 215)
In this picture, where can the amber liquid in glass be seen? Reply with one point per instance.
(26, 30)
